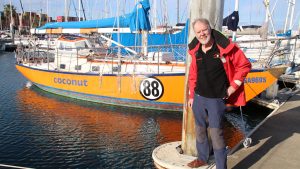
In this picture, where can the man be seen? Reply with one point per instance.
(217, 72)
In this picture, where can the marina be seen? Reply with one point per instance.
(43, 130)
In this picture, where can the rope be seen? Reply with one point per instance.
(244, 125)
(247, 142)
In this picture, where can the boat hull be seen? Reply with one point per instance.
(163, 92)
(153, 91)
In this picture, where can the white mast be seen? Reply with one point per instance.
(66, 10)
(105, 9)
(40, 19)
(11, 14)
(267, 6)
(154, 12)
(119, 49)
(11, 22)
(177, 11)
(293, 4)
(144, 36)
(290, 15)
(48, 11)
(79, 10)
(30, 19)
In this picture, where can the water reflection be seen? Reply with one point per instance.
(88, 134)
(76, 133)
(115, 136)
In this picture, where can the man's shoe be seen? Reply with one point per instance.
(196, 163)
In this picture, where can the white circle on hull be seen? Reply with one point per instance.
(151, 88)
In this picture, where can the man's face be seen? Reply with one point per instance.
(203, 33)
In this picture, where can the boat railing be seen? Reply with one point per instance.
(268, 51)
(68, 59)
(33, 56)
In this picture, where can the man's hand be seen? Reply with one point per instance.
(190, 102)
(230, 91)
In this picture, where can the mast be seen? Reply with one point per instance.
(177, 11)
(12, 24)
(144, 38)
(154, 12)
(119, 49)
(21, 6)
(66, 10)
(213, 11)
(82, 9)
(40, 19)
(30, 19)
(79, 10)
(105, 9)
(293, 4)
(21, 17)
(267, 6)
(48, 18)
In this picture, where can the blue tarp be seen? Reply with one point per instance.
(132, 39)
(288, 33)
(135, 40)
(137, 20)
(99, 23)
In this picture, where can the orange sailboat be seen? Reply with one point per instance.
(74, 70)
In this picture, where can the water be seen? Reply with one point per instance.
(43, 130)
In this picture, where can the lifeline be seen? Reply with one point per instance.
(71, 82)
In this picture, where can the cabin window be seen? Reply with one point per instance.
(62, 66)
(61, 47)
(65, 46)
(77, 67)
(68, 47)
(81, 45)
(95, 68)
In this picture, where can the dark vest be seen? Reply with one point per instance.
(212, 81)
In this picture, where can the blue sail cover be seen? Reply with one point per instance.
(99, 23)
(133, 39)
(137, 20)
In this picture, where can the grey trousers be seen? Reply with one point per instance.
(209, 113)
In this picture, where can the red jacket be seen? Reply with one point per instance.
(235, 63)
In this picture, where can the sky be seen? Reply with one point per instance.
(252, 12)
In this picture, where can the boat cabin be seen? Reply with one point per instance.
(73, 44)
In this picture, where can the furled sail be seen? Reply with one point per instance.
(137, 20)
